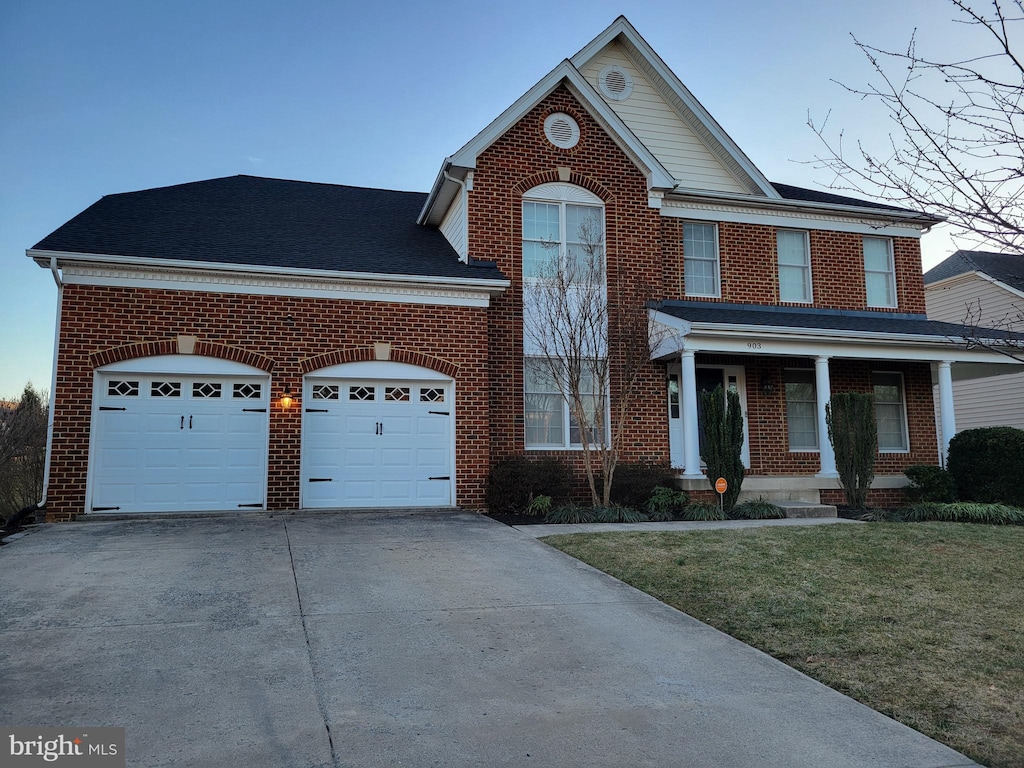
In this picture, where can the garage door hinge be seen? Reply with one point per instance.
(251, 505)
(446, 477)
(440, 413)
(254, 410)
(105, 509)
(321, 479)
(316, 410)
(111, 408)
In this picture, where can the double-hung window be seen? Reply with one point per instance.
(550, 422)
(890, 412)
(700, 259)
(879, 272)
(801, 410)
(794, 265)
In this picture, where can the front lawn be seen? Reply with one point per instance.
(923, 622)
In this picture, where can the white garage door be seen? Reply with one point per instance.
(372, 443)
(172, 442)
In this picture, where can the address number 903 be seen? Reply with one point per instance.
(753, 345)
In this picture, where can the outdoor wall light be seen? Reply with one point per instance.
(287, 399)
(767, 387)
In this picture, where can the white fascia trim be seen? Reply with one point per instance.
(658, 177)
(1000, 284)
(966, 277)
(621, 26)
(142, 273)
(773, 340)
(492, 287)
(725, 206)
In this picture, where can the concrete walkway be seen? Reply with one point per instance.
(394, 639)
(540, 531)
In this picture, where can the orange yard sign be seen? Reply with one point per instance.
(721, 485)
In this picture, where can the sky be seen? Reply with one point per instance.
(111, 96)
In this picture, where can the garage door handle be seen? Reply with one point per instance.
(316, 410)
(254, 410)
(321, 479)
(190, 421)
(182, 423)
(439, 413)
(111, 408)
(446, 477)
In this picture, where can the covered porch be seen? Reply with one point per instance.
(785, 363)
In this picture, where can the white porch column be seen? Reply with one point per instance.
(688, 396)
(823, 387)
(947, 416)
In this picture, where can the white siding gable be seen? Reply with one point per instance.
(662, 130)
(996, 401)
(453, 227)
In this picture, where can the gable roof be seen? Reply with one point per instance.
(464, 159)
(250, 220)
(680, 99)
(1007, 268)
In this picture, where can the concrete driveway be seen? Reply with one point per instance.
(394, 639)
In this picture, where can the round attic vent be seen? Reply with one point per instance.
(615, 82)
(561, 130)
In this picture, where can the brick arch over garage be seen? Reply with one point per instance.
(177, 346)
(552, 177)
(364, 354)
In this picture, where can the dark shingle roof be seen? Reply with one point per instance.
(1007, 268)
(819, 319)
(248, 220)
(790, 192)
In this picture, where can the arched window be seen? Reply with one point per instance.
(564, 317)
(563, 228)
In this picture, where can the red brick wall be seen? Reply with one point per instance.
(94, 319)
(518, 161)
(749, 267)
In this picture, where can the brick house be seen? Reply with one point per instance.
(259, 343)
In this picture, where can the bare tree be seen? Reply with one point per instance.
(1008, 338)
(586, 344)
(956, 145)
(22, 451)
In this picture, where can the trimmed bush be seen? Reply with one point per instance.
(757, 509)
(618, 514)
(963, 512)
(633, 483)
(665, 503)
(514, 483)
(928, 483)
(569, 514)
(851, 430)
(722, 451)
(987, 465)
(703, 511)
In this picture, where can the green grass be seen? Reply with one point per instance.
(923, 622)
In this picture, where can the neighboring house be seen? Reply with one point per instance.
(257, 343)
(985, 289)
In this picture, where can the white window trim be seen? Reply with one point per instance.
(890, 273)
(903, 404)
(717, 260)
(814, 384)
(807, 253)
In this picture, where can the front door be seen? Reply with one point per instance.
(707, 378)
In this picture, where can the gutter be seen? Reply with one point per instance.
(488, 285)
(53, 383)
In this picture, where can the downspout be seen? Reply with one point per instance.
(464, 193)
(53, 382)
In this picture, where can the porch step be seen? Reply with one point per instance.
(806, 509)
